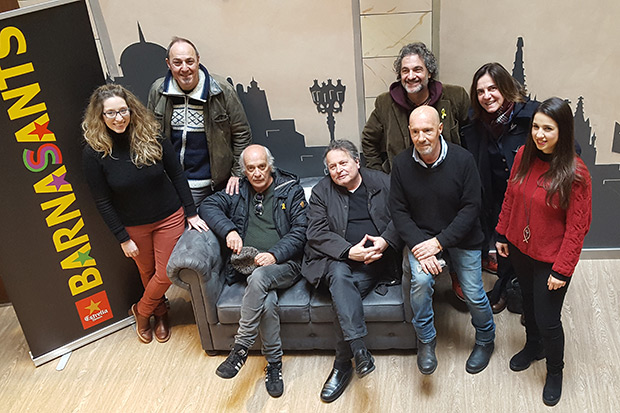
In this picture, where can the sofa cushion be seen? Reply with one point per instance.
(294, 303)
(377, 308)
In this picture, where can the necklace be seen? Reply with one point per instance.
(527, 233)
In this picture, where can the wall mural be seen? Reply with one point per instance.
(605, 178)
(143, 62)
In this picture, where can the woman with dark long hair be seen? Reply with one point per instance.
(499, 125)
(141, 192)
(545, 216)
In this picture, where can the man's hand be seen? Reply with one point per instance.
(234, 242)
(197, 223)
(502, 249)
(426, 249)
(380, 245)
(130, 249)
(430, 265)
(366, 255)
(232, 187)
(264, 258)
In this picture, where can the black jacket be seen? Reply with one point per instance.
(476, 138)
(328, 216)
(225, 213)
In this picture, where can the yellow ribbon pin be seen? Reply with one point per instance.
(443, 113)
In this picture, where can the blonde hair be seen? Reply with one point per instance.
(143, 129)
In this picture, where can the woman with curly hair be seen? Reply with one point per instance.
(546, 214)
(141, 193)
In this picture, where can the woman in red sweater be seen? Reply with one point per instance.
(544, 219)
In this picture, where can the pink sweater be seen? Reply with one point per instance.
(556, 234)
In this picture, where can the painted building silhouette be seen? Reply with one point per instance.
(605, 229)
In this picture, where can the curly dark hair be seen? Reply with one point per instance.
(421, 50)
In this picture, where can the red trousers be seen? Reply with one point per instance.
(155, 243)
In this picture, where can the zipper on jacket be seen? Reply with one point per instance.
(184, 134)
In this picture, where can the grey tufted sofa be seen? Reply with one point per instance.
(306, 315)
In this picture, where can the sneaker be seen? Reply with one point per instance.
(456, 287)
(233, 363)
(489, 264)
(273, 379)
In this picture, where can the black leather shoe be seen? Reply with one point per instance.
(364, 363)
(523, 359)
(335, 384)
(479, 358)
(427, 361)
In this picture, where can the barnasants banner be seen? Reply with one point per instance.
(64, 272)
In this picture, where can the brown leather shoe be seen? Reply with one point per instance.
(143, 326)
(499, 306)
(162, 328)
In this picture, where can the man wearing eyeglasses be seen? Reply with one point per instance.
(352, 246)
(269, 214)
(203, 117)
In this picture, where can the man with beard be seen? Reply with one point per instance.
(386, 132)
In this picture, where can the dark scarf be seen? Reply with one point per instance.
(495, 122)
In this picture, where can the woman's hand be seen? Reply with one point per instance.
(130, 249)
(197, 223)
(554, 284)
(502, 249)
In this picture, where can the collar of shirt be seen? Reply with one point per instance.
(442, 154)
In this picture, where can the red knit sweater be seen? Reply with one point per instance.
(556, 234)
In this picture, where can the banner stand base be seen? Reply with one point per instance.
(68, 348)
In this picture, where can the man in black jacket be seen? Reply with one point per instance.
(351, 245)
(269, 214)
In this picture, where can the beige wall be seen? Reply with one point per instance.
(571, 50)
(284, 45)
(385, 27)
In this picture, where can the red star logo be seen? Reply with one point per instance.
(40, 130)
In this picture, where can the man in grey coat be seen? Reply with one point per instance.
(351, 245)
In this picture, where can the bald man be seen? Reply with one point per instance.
(435, 202)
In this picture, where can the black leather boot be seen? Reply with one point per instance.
(427, 361)
(553, 388)
(532, 351)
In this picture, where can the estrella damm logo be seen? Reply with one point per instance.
(94, 309)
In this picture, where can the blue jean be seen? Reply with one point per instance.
(259, 307)
(467, 265)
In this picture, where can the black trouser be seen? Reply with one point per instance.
(348, 283)
(505, 273)
(542, 308)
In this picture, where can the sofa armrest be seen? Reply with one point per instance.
(196, 265)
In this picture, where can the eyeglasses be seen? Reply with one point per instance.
(111, 114)
(258, 204)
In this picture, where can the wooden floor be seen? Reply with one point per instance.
(119, 374)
